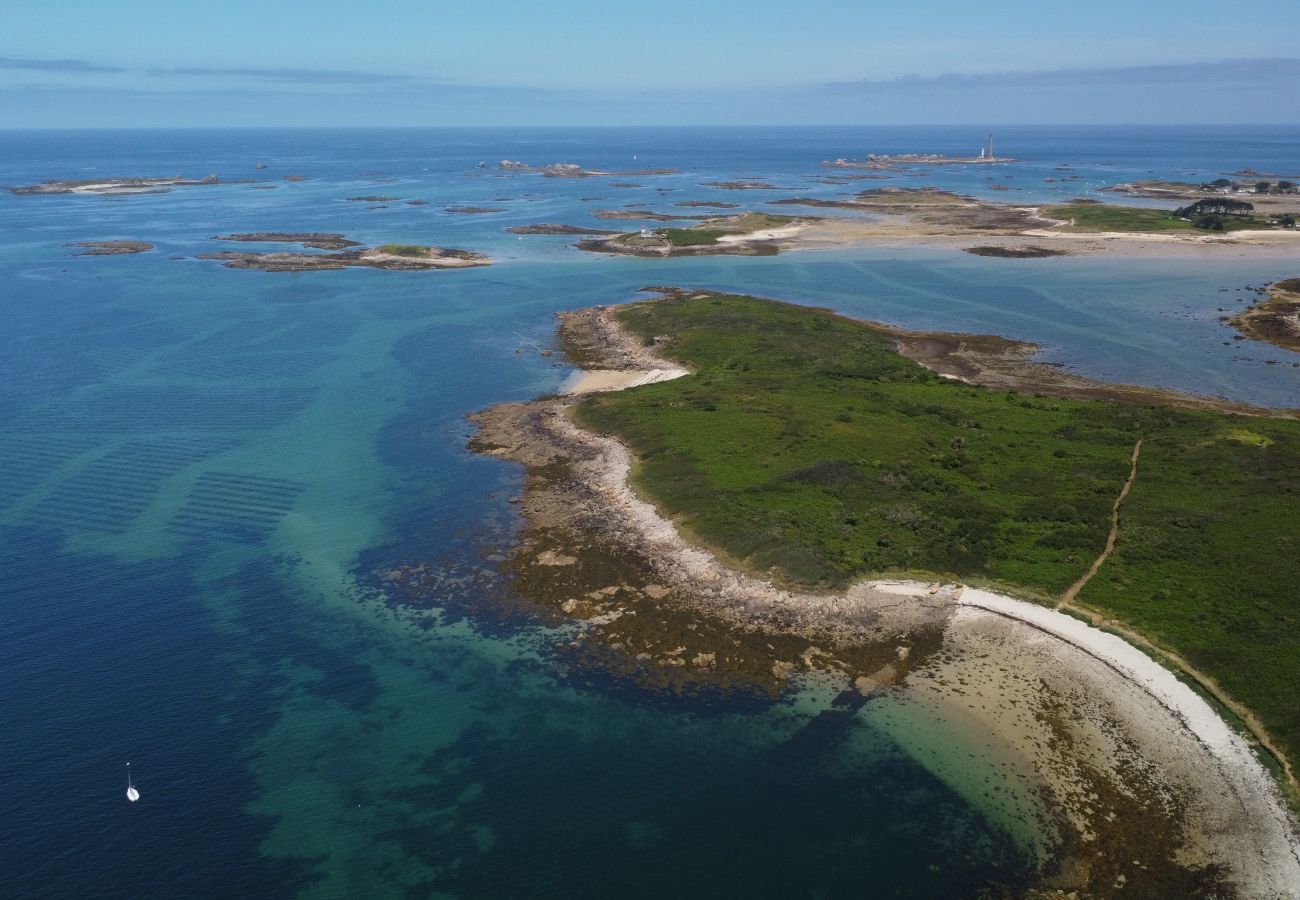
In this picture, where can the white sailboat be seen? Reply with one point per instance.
(131, 793)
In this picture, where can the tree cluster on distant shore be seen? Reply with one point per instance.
(1210, 212)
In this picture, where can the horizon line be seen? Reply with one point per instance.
(408, 127)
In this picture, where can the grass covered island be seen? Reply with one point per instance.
(748, 234)
(805, 445)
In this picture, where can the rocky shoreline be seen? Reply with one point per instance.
(1275, 319)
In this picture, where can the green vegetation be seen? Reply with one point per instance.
(709, 232)
(1275, 319)
(1208, 559)
(1105, 217)
(806, 445)
(411, 250)
(1213, 214)
(693, 237)
(1221, 214)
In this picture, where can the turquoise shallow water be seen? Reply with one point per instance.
(204, 472)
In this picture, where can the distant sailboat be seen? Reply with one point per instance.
(131, 793)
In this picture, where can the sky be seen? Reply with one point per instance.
(91, 63)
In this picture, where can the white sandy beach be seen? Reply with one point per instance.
(590, 382)
(766, 234)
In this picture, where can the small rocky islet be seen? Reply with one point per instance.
(342, 253)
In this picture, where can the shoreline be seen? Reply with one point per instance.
(888, 228)
(1226, 808)
(924, 217)
(1275, 319)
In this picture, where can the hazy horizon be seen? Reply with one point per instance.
(758, 63)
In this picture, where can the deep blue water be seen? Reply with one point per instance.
(201, 471)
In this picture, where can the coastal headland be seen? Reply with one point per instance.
(741, 493)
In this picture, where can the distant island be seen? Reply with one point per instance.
(750, 234)
(113, 186)
(573, 170)
(110, 248)
(348, 254)
(896, 161)
(899, 160)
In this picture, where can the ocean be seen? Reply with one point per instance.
(208, 475)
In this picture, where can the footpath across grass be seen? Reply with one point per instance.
(806, 447)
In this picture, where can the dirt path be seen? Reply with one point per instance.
(1073, 590)
(1069, 602)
